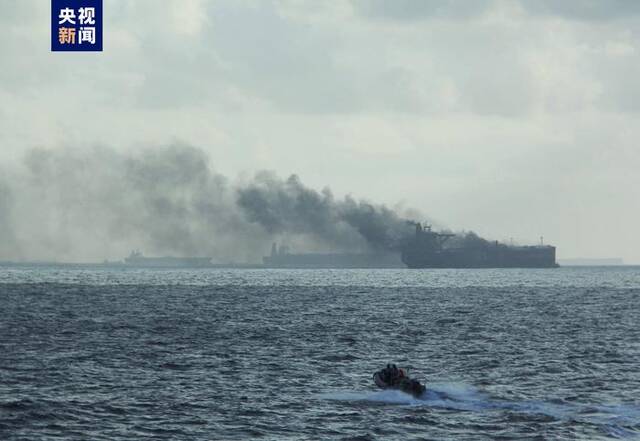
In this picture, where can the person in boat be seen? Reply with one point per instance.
(393, 377)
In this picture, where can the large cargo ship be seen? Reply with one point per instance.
(429, 249)
(136, 259)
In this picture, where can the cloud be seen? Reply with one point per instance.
(592, 10)
(420, 102)
(412, 10)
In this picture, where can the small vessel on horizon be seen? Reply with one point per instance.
(137, 259)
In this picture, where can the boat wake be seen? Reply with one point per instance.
(449, 395)
(620, 421)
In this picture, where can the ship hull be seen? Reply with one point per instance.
(489, 257)
(333, 260)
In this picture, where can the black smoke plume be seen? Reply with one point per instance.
(85, 204)
(287, 206)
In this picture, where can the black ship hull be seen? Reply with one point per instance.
(538, 258)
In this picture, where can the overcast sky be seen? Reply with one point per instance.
(510, 118)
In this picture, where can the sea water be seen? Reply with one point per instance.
(118, 354)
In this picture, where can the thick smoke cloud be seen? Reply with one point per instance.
(288, 206)
(7, 239)
(80, 204)
(92, 203)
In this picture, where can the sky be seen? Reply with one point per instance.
(514, 119)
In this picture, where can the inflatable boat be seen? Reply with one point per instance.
(396, 378)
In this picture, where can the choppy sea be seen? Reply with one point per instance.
(123, 354)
